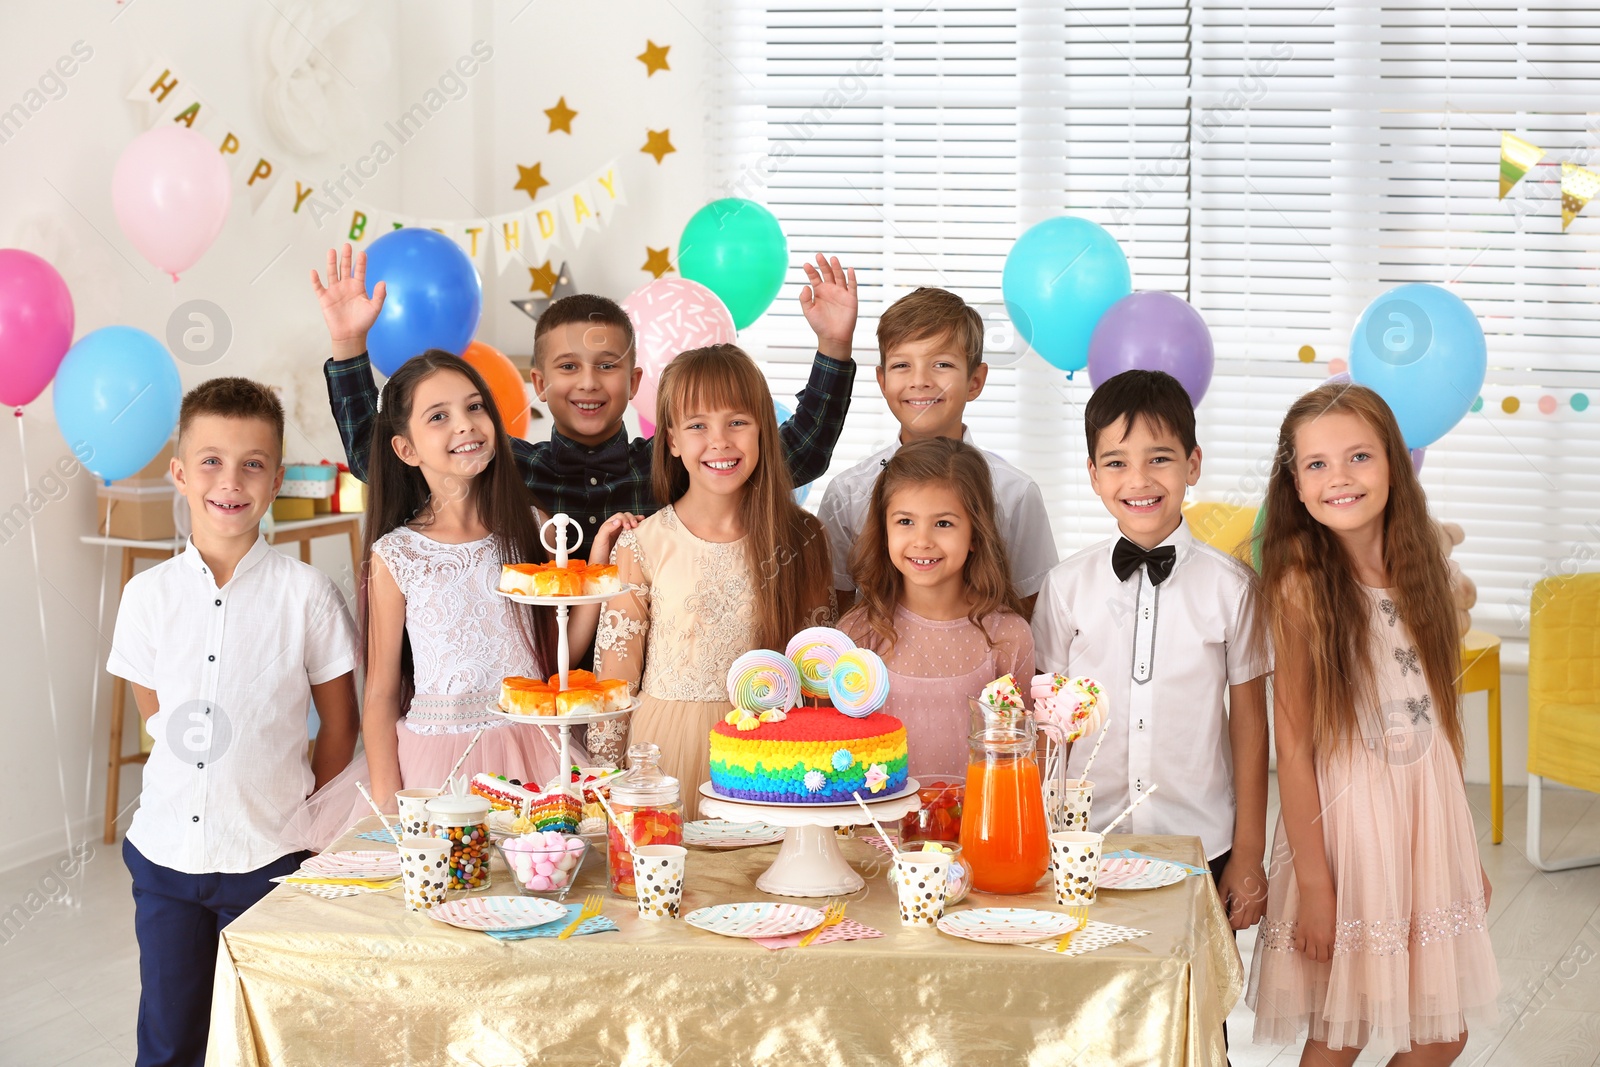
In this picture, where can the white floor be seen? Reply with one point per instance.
(69, 978)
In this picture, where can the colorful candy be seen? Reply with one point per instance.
(814, 651)
(859, 684)
(763, 680)
(1072, 706)
(643, 826)
(1002, 694)
(469, 854)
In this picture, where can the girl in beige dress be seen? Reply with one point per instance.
(730, 564)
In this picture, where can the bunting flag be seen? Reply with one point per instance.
(1578, 187)
(1517, 157)
(525, 238)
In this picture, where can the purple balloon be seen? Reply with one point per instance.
(1153, 331)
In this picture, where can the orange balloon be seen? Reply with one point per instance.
(505, 385)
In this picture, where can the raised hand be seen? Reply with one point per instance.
(829, 303)
(346, 309)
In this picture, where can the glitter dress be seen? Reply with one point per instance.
(1411, 954)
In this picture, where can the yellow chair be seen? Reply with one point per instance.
(1563, 697)
(1480, 672)
(1225, 527)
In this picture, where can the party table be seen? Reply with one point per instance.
(359, 980)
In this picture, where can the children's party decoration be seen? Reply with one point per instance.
(1060, 277)
(171, 192)
(654, 57)
(1578, 187)
(1421, 348)
(736, 248)
(672, 315)
(658, 143)
(116, 400)
(858, 684)
(1517, 158)
(434, 297)
(815, 650)
(1002, 694)
(763, 680)
(1069, 708)
(36, 320)
(533, 306)
(560, 116)
(1153, 331)
(505, 385)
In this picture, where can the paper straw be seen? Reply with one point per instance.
(379, 812)
(1148, 793)
(876, 825)
(604, 804)
(1096, 750)
(463, 758)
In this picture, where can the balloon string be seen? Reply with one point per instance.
(94, 686)
(44, 638)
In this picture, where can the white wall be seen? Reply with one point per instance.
(55, 200)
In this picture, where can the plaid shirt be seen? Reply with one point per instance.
(592, 483)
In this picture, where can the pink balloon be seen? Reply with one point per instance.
(672, 315)
(171, 192)
(35, 325)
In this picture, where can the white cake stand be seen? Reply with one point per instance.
(809, 862)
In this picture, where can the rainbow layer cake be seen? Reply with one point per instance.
(812, 755)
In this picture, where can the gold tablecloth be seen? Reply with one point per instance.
(359, 980)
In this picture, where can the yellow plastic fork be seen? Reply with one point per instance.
(832, 917)
(591, 907)
(1081, 914)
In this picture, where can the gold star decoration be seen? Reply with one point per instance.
(561, 116)
(658, 144)
(656, 261)
(544, 279)
(654, 57)
(529, 180)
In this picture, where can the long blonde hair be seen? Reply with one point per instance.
(986, 576)
(1301, 559)
(784, 545)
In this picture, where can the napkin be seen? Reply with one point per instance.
(1129, 854)
(845, 930)
(380, 835)
(1095, 935)
(597, 925)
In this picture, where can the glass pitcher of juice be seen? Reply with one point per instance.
(1004, 836)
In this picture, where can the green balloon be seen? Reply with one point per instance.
(1256, 529)
(736, 249)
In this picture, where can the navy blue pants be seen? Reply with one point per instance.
(176, 918)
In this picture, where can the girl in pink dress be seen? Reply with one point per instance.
(1375, 930)
(935, 596)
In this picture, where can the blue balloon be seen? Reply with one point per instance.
(433, 296)
(1059, 278)
(1421, 349)
(781, 409)
(116, 400)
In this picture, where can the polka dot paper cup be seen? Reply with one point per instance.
(919, 881)
(1069, 803)
(414, 811)
(658, 878)
(424, 871)
(1075, 863)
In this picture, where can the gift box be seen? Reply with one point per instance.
(309, 481)
(292, 509)
(351, 495)
(138, 512)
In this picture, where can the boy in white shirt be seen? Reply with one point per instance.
(930, 366)
(1163, 622)
(226, 644)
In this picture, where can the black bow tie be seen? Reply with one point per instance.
(1127, 556)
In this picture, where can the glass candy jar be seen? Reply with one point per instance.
(648, 812)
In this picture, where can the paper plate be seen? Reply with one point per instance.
(719, 833)
(1006, 926)
(1122, 872)
(498, 913)
(374, 864)
(760, 919)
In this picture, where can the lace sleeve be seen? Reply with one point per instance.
(619, 644)
(402, 564)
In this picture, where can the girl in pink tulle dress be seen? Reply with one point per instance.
(935, 596)
(1375, 931)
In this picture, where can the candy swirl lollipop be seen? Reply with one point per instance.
(763, 680)
(859, 684)
(814, 650)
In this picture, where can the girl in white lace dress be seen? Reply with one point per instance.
(447, 508)
(730, 564)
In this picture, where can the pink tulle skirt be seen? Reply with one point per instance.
(506, 748)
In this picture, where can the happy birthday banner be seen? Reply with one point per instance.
(1578, 184)
(560, 220)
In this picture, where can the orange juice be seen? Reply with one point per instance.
(1003, 831)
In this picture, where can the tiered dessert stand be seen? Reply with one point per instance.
(557, 525)
(809, 862)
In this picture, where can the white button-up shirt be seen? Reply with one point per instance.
(1019, 512)
(232, 669)
(1164, 657)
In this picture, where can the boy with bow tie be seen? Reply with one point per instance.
(1162, 621)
